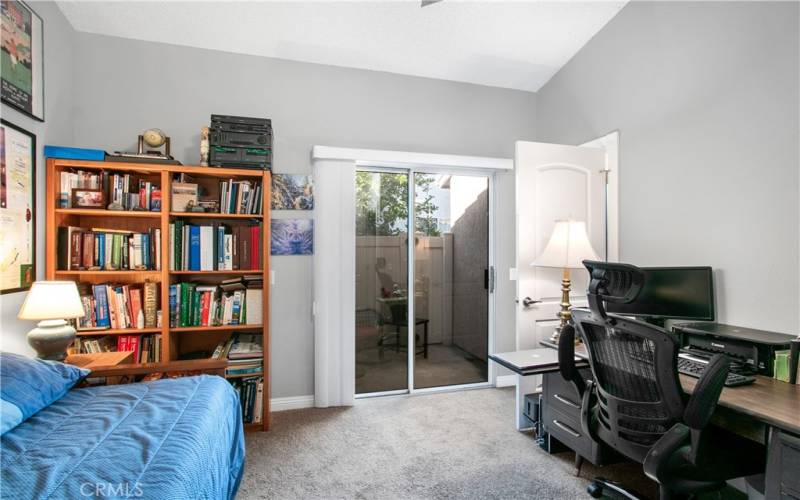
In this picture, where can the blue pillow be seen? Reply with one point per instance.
(28, 385)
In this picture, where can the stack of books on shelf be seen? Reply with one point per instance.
(214, 247)
(146, 197)
(108, 249)
(234, 302)
(119, 306)
(118, 188)
(251, 397)
(146, 348)
(240, 197)
(107, 343)
(245, 358)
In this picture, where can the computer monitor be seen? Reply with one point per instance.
(672, 293)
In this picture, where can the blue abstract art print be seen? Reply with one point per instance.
(292, 236)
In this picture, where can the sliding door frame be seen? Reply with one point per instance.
(410, 170)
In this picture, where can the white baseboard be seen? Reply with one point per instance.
(506, 381)
(291, 403)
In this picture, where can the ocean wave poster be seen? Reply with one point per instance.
(292, 236)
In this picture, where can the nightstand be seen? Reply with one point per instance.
(97, 359)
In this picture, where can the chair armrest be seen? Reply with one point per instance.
(587, 414)
(216, 366)
(706, 393)
(566, 359)
(656, 462)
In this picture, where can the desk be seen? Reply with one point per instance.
(767, 400)
(770, 403)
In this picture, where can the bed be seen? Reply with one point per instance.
(173, 439)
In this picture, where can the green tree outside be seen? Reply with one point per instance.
(381, 210)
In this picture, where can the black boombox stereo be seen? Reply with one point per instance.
(239, 141)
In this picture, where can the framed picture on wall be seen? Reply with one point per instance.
(17, 208)
(22, 59)
(292, 192)
(292, 236)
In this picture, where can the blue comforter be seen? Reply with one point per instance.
(172, 439)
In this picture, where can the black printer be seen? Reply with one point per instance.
(754, 349)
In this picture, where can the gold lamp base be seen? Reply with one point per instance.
(564, 314)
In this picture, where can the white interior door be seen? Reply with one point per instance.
(553, 182)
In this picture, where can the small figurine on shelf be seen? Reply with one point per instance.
(192, 207)
(204, 147)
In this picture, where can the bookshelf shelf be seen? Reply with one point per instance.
(219, 273)
(223, 328)
(175, 342)
(117, 331)
(214, 215)
(125, 272)
(245, 375)
(107, 213)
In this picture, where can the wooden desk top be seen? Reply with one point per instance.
(768, 400)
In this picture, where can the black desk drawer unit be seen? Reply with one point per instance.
(561, 416)
(783, 467)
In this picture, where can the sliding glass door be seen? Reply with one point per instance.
(381, 281)
(451, 271)
(446, 324)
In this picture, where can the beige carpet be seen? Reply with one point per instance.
(449, 445)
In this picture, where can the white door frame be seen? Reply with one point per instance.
(610, 142)
(330, 361)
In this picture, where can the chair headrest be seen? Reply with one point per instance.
(612, 282)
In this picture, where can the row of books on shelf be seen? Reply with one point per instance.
(238, 301)
(146, 348)
(119, 306)
(118, 189)
(240, 197)
(235, 196)
(108, 249)
(251, 397)
(214, 247)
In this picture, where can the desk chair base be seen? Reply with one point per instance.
(603, 488)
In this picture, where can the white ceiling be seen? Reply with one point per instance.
(517, 45)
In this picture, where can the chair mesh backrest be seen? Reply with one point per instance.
(635, 369)
(624, 364)
(634, 364)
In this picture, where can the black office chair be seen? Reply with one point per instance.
(635, 403)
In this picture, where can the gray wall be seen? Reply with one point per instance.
(57, 129)
(705, 96)
(127, 86)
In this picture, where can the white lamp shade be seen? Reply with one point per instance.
(568, 247)
(52, 300)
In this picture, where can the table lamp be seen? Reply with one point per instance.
(52, 303)
(567, 249)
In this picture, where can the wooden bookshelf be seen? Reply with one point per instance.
(202, 215)
(174, 341)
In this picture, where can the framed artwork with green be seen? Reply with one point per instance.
(17, 208)
(22, 59)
